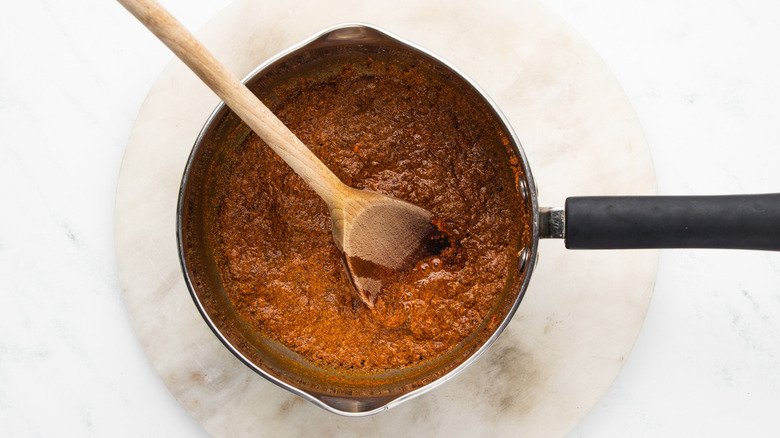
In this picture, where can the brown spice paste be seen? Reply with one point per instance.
(396, 133)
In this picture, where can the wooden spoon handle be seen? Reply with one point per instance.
(238, 97)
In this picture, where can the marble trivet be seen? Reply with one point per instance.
(583, 310)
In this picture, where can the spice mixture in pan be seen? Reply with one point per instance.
(392, 130)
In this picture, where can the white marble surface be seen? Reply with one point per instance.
(702, 80)
(572, 333)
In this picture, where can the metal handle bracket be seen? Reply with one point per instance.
(552, 223)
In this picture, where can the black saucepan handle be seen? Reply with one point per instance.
(624, 222)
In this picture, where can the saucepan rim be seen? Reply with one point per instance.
(526, 258)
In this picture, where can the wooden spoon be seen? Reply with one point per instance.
(381, 238)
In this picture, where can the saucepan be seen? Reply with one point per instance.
(737, 221)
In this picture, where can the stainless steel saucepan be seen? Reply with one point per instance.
(748, 222)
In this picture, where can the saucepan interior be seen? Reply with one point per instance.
(348, 393)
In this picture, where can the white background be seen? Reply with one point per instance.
(704, 78)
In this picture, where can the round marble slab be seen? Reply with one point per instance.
(579, 318)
